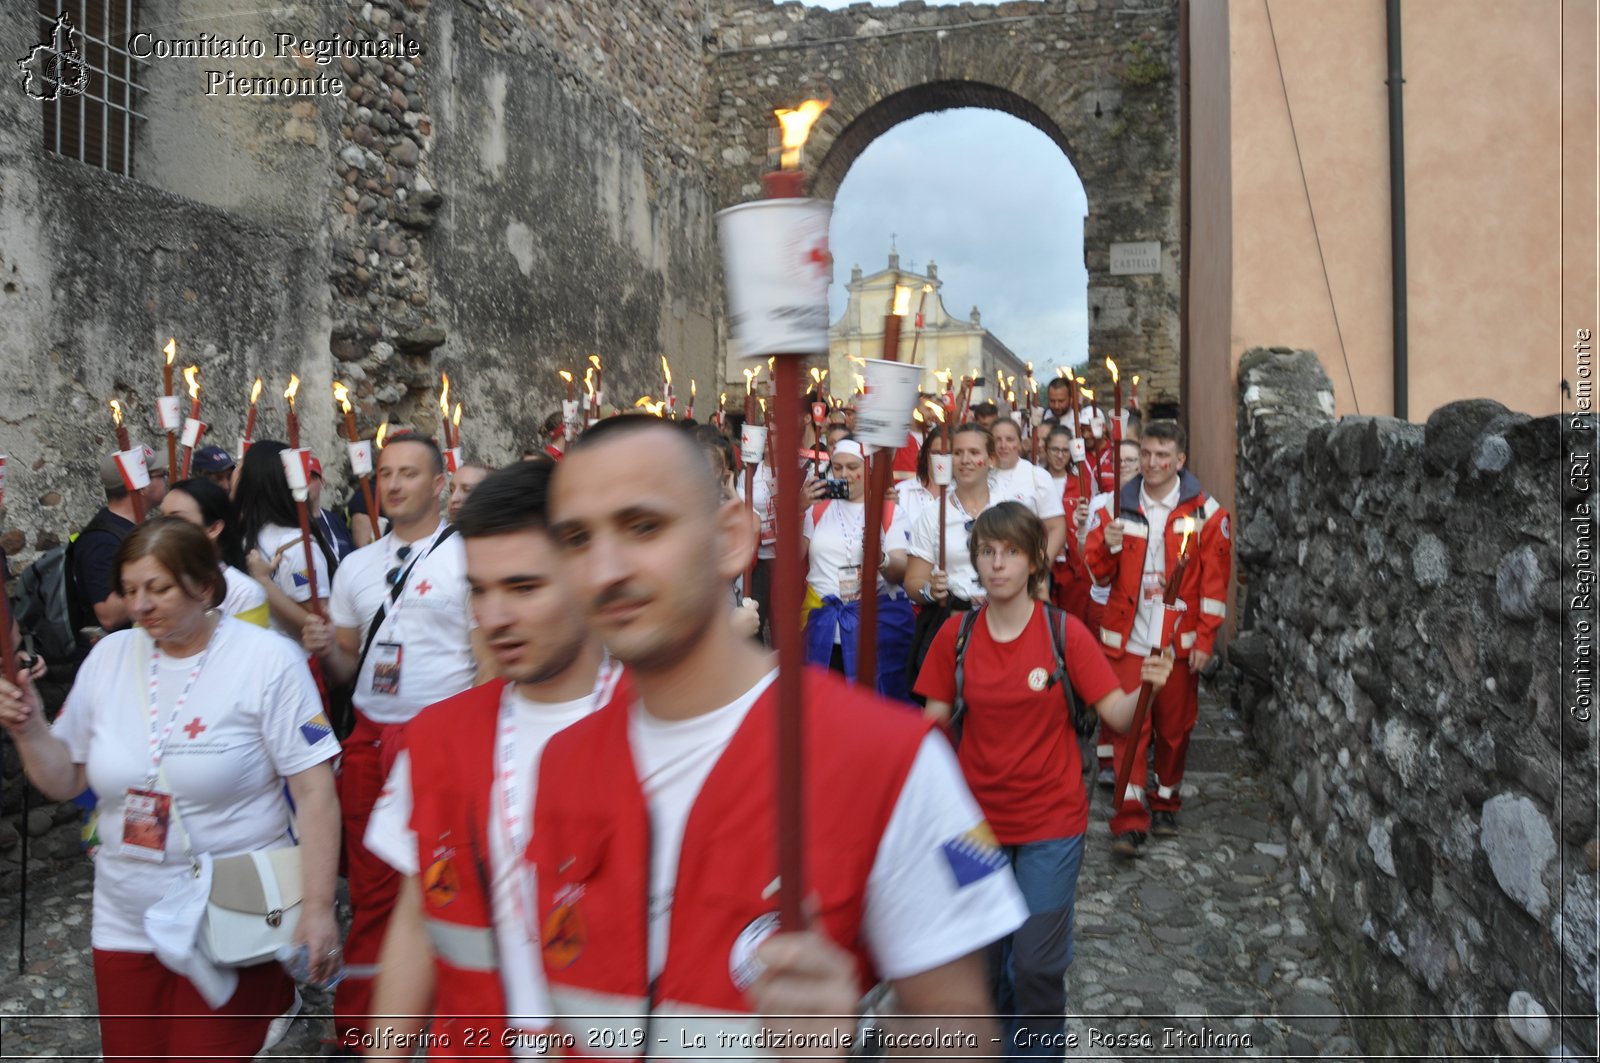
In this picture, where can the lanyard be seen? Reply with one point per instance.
(419, 550)
(516, 827)
(158, 739)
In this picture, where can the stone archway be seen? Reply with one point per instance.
(1100, 82)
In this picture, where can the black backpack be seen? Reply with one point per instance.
(50, 608)
(1084, 718)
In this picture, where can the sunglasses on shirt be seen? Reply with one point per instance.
(400, 556)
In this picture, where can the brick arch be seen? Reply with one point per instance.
(1096, 76)
(907, 104)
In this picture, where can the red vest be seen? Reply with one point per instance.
(451, 745)
(591, 849)
(1204, 590)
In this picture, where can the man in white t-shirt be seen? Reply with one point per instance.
(1016, 479)
(463, 786)
(417, 652)
(908, 881)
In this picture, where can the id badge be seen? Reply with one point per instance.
(1155, 586)
(145, 816)
(386, 668)
(849, 584)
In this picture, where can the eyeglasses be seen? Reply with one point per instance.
(400, 556)
(1058, 451)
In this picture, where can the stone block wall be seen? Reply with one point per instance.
(1401, 668)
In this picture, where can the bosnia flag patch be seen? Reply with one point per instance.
(973, 855)
(301, 580)
(316, 729)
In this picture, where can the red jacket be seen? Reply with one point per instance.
(451, 746)
(1204, 590)
(591, 850)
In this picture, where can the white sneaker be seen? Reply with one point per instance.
(278, 1029)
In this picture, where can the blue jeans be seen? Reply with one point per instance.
(1028, 969)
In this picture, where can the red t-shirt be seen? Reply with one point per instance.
(1018, 750)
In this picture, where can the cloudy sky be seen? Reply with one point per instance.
(993, 202)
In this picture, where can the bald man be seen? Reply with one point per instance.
(663, 802)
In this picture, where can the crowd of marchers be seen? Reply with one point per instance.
(530, 716)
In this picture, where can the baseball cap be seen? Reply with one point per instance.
(211, 459)
(314, 465)
(111, 476)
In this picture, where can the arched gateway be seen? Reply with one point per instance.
(1098, 78)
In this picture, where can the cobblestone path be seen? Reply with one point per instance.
(1201, 948)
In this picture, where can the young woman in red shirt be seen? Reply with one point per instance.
(1019, 755)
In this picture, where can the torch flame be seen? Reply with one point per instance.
(816, 375)
(902, 300)
(116, 412)
(191, 377)
(916, 415)
(564, 375)
(666, 370)
(1061, 370)
(341, 395)
(1136, 380)
(255, 392)
(588, 381)
(797, 125)
(595, 358)
(444, 395)
(1087, 393)
(938, 410)
(749, 381)
(1011, 397)
(171, 349)
(294, 386)
(1188, 526)
(694, 388)
(383, 430)
(1030, 368)
(642, 400)
(722, 400)
(456, 421)
(1113, 367)
(943, 377)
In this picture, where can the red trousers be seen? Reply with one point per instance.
(369, 753)
(148, 1012)
(1170, 721)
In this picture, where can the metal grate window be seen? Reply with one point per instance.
(89, 82)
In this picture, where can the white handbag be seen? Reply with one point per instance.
(254, 906)
(255, 900)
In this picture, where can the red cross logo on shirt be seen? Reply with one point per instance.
(423, 588)
(193, 728)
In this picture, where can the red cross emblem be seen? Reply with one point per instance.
(193, 728)
(819, 257)
(423, 588)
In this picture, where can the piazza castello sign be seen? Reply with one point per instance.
(1142, 257)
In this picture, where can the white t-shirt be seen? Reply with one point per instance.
(1029, 484)
(958, 559)
(252, 718)
(913, 499)
(761, 500)
(513, 900)
(291, 571)
(245, 598)
(1147, 619)
(431, 622)
(837, 544)
(917, 914)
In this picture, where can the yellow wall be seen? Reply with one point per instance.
(1290, 224)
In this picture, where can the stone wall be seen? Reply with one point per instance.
(524, 195)
(1401, 670)
(99, 270)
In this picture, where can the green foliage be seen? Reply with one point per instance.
(1142, 68)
